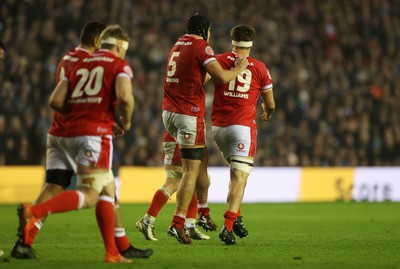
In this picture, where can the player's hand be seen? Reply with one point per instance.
(124, 124)
(117, 131)
(265, 116)
(241, 63)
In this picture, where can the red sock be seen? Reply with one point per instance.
(63, 202)
(121, 240)
(106, 222)
(192, 210)
(204, 211)
(179, 221)
(230, 218)
(159, 200)
(33, 232)
(238, 212)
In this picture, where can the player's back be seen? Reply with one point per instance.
(67, 63)
(235, 102)
(183, 86)
(92, 97)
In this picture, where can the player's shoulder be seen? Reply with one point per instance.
(227, 55)
(77, 53)
(107, 59)
(191, 40)
(256, 63)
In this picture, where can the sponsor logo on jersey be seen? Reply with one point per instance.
(186, 136)
(88, 100)
(182, 43)
(172, 80)
(240, 146)
(195, 109)
(99, 58)
(102, 130)
(70, 58)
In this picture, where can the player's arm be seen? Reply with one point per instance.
(268, 104)
(126, 102)
(224, 76)
(58, 97)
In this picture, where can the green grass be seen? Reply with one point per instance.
(299, 235)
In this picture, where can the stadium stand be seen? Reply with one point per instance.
(335, 66)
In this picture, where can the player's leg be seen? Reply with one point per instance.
(146, 224)
(238, 226)
(173, 169)
(241, 155)
(125, 248)
(83, 197)
(189, 133)
(203, 183)
(191, 159)
(240, 170)
(190, 222)
(58, 176)
(105, 216)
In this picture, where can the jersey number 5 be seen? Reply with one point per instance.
(91, 79)
(244, 81)
(172, 63)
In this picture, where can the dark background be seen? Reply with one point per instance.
(335, 67)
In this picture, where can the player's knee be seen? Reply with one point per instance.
(242, 164)
(193, 153)
(94, 184)
(174, 174)
(53, 189)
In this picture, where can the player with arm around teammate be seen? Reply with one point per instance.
(234, 123)
(92, 89)
(184, 107)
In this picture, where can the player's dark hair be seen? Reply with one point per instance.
(90, 31)
(2, 45)
(243, 33)
(198, 25)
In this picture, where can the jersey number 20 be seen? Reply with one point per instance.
(91, 79)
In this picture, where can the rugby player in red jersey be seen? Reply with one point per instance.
(234, 122)
(189, 60)
(89, 95)
(60, 168)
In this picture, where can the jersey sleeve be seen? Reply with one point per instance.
(124, 70)
(266, 79)
(206, 53)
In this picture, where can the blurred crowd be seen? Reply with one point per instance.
(335, 66)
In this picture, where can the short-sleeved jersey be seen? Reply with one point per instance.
(69, 60)
(92, 96)
(183, 86)
(235, 102)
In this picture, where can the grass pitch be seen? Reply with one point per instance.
(298, 235)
